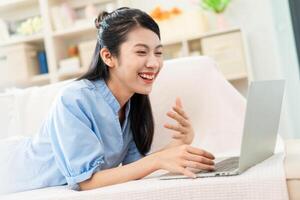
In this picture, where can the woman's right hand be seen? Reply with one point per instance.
(177, 159)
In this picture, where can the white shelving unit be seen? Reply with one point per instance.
(56, 42)
(227, 47)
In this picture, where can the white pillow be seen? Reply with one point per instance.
(216, 109)
(30, 108)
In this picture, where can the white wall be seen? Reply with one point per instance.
(272, 51)
(288, 60)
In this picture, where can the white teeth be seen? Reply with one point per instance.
(147, 76)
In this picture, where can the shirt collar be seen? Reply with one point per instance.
(110, 98)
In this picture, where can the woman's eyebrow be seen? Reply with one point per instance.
(147, 47)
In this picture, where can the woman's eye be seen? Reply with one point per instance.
(141, 52)
(159, 53)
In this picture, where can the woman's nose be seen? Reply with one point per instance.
(153, 62)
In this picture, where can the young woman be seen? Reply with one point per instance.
(104, 119)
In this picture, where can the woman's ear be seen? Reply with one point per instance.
(107, 57)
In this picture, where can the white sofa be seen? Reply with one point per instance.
(214, 106)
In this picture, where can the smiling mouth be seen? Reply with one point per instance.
(147, 76)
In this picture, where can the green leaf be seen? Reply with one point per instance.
(217, 6)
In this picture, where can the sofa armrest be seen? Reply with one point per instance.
(292, 159)
(292, 166)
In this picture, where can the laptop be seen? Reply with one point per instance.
(259, 134)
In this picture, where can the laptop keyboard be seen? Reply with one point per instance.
(228, 164)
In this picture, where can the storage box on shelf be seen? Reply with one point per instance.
(226, 47)
(18, 63)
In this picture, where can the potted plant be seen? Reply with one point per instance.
(218, 7)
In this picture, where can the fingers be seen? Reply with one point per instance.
(177, 167)
(180, 111)
(178, 128)
(199, 159)
(186, 172)
(178, 136)
(199, 152)
(198, 165)
(179, 115)
(178, 102)
(180, 119)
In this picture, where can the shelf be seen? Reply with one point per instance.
(7, 4)
(23, 39)
(233, 77)
(201, 35)
(75, 31)
(41, 78)
(69, 75)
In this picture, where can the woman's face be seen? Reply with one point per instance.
(139, 62)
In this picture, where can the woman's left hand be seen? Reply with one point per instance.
(184, 129)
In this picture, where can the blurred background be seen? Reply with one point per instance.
(47, 41)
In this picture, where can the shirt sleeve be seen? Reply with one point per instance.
(77, 149)
(133, 154)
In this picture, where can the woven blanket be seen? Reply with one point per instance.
(263, 181)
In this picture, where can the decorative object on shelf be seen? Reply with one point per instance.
(158, 14)
(87, 18)
(69, 65)
(82, 15)
(218, 7)
(68, 12)
(20, 28)
(30, 26)
(42, 62)
(56, 16)
(63, 16)
(176, 24)
(73, 51)
(90, 11)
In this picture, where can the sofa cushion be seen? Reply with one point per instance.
(27, 109)
(215, 107)
(6, 113)
(292, 159)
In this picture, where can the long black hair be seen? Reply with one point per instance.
(113, 29)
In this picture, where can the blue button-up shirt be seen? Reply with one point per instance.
(80, 136)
